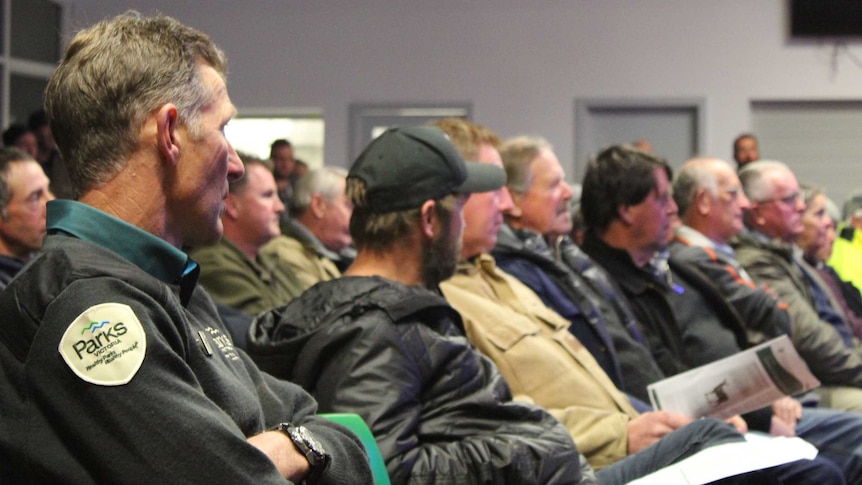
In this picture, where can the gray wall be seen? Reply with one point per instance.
(520, 63)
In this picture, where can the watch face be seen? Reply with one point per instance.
(304, 436)
(308, 445)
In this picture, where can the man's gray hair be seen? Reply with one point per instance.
(754, 183)
(111, 77)
(694, 175)
(518, 155)
(326, 181)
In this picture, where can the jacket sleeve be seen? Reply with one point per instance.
(764, 315)
(600, 434)
(440, 412)
(818, 343)
(161, 426)
(283, 401)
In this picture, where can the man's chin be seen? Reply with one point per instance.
(210, 237)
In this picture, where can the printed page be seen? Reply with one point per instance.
(731, 459)
(743, 382)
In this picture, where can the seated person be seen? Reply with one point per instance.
(816, 242)
(24, 193)
(20, 137)
(767, 251)
(233, 270)
(846, 255)
(316, 243)
(116, 368)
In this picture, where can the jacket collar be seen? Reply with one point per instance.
(152, 254)
(619, 264)
(750, 237)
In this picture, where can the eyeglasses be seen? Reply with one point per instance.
(787, 200)
(733, 193)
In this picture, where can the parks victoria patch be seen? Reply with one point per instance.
(105, 345)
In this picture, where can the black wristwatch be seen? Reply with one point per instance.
(317, 457)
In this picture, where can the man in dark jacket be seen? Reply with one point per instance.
(382, 342)
(628, 208)
(116, 367)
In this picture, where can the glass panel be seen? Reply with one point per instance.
(2, 27)
(36, 30)
(5, 119)
(368, 121)
(254, 135)
(25, 96)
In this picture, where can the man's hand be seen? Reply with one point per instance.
(738, 423)
(648, 428)
(787, 412)
(291, 463)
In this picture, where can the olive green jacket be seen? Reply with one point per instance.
(236, 281)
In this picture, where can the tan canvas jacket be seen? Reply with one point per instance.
(540, 359)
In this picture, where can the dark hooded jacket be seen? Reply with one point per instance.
(396, 355)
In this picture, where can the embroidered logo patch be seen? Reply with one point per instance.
(105, 345)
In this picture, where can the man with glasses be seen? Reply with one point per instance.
(767, 248)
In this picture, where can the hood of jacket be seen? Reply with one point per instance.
(278, 336)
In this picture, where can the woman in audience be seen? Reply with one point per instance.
(816, 244)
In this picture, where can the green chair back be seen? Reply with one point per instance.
(355, 423)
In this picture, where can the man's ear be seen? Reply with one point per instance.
(428, 219)
(317, 205)
(516, 211)
(754, 214)
(702, 201)
(168, 137)
(625, 213)
(231, 207)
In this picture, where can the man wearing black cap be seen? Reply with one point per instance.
(383, 343)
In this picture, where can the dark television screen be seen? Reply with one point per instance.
(826, 18)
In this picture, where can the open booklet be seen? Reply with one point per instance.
(738, 384)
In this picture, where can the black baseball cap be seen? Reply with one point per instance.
(405, 166)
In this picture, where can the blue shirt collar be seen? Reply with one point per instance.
(150, 253)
